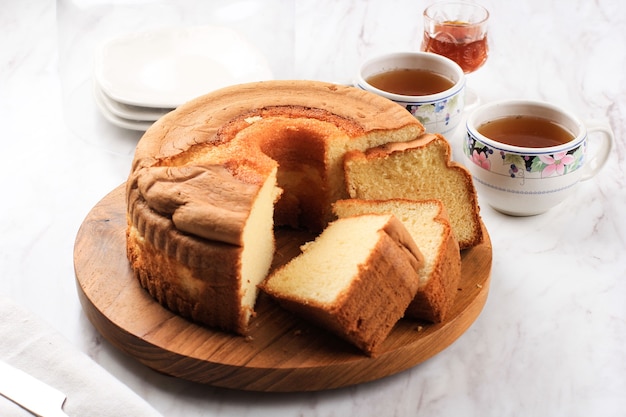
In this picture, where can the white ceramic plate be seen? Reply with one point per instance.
(166, 68)
(128, 111)
(117, 120)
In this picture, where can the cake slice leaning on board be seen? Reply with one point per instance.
(427, 222)
(356, 279)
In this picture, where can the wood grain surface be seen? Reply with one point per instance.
(281, 354)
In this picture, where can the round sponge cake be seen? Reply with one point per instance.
(210, 180)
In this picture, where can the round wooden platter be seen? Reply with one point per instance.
(281, 354)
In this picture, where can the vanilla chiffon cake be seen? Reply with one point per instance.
(355, 279)
(418, 170)
(210, 180)
(427, 222)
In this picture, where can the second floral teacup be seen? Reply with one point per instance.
(527, 156)
(429, 86)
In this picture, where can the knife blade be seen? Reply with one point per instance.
(30, 393)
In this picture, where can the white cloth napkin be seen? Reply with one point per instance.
(28, 343)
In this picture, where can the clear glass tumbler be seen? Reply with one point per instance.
(457, 30)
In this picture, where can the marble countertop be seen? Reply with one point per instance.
(551, 339)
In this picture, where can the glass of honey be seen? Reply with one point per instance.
(457, 30)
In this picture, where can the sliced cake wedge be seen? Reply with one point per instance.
(428, 223)
(356, 279)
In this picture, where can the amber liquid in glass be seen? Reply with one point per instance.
(458, 41)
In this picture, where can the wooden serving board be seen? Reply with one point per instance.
(282, 353)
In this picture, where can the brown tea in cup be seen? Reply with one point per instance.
(526, 132)
(410, 82)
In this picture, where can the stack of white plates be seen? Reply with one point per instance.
(140, 77)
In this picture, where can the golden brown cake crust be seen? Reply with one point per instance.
(168, 265)
(216, 212)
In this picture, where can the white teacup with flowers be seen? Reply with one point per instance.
(524, 181)
(439, 112)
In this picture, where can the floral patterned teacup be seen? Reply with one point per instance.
(440, 112)
(524, 181)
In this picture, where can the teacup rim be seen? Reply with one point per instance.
(423, 99)
(576, 141)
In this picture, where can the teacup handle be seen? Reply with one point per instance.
(600, 155)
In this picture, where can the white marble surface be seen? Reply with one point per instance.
(551, 339)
